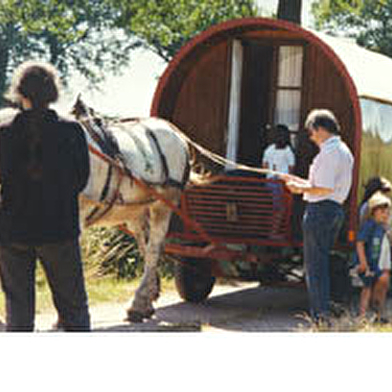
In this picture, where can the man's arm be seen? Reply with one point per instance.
(363, 265)
(299, 185)
(82, 158)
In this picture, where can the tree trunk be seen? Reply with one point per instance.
(290, 10)
(4, 58)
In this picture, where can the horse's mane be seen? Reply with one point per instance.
(7, 115)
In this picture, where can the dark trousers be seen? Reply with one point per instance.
(63, 268)
(321, 224)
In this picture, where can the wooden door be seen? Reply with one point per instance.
(255, 102)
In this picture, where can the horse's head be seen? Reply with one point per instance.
(80, 109)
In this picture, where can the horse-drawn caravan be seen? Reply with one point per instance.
(225, 89)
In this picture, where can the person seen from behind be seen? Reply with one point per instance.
(373, 256)
(44, 165)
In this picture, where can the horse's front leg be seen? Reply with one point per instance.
(149, 288)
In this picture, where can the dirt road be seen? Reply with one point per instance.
(243, 307)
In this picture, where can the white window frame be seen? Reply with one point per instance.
(233, 122)
(284, 84)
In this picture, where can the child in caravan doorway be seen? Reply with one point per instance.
(278, 157)
(374, 256)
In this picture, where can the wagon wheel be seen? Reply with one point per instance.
(193, 279)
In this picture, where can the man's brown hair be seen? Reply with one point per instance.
(39, 82)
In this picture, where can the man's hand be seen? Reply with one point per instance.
(296, 187)
(295, 184)
(292, 178)
(363, 268)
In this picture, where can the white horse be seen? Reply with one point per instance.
(138, 170)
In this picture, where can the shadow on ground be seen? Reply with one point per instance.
(256, 309)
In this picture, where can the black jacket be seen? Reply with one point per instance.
(44, 165)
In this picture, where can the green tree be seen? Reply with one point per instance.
(71, 34)
(166, 25)
(368, 21)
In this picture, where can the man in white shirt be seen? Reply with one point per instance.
(325, 190)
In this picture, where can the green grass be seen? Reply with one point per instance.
(100, 289)
(112, 269)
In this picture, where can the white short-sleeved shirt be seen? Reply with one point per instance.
(384, 262)
(332, 168)
(278, 159)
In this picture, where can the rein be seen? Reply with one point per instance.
(157, 195)
(223, 161)
(112, 156)
(104, 206)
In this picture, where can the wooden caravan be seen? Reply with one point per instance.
(225, 89)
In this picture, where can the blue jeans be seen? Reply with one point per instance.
(321, 224)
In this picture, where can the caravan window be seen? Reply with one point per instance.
(289, 86)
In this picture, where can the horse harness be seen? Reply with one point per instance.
(109, 147)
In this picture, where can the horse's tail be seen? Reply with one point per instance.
(197, 171)
(200, 177)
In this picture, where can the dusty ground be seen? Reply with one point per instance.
(243, 307)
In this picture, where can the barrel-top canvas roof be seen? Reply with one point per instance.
(369, 70)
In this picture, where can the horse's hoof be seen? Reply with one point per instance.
(135, 316)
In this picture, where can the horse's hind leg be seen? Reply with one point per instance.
(148, 291)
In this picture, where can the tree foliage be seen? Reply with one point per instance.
(166, 25)
(71, 34)
(369, 21)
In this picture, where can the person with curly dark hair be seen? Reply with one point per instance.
(44, 165)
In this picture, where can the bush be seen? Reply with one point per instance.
(110, 251)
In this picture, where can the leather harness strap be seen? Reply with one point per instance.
(156, 195)
(99, 211)
(104, 206)
(116, 161)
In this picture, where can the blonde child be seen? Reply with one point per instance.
(374, 255)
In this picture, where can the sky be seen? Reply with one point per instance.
(131, 94)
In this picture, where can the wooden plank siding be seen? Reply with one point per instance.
(201, 107)
(326, 88)
(196, 99)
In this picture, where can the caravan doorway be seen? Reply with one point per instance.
(266, 89)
